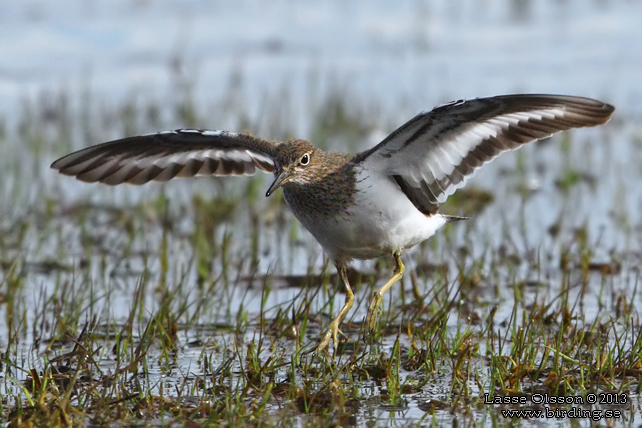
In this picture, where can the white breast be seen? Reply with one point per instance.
(382, 220)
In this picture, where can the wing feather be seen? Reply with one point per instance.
(165, 155)
(434, 153)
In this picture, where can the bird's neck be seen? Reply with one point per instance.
(329, 194)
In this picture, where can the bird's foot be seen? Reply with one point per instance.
(331, 333)
(371, 318)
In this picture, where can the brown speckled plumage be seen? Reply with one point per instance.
(330, 188)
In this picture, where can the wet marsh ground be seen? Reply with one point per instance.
(199, 301)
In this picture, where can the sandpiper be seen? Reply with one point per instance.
(376, 203)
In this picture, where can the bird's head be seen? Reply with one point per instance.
(296, 161)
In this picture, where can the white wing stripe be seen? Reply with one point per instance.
(434, 153)
(143, 161)
(164, 155)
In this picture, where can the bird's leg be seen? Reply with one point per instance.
(377, 296)
(334, 326)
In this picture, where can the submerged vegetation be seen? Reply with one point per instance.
(200, 301)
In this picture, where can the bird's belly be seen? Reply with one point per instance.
(381, 220)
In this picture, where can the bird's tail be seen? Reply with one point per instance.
(452, 218)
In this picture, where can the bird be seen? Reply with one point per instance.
(376, 203)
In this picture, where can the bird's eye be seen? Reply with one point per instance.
(305, 159)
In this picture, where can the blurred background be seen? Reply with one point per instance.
(402, 57)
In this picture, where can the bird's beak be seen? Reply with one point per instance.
(280, 179)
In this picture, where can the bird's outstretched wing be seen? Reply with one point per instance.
(432, 155)
(165, 155)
